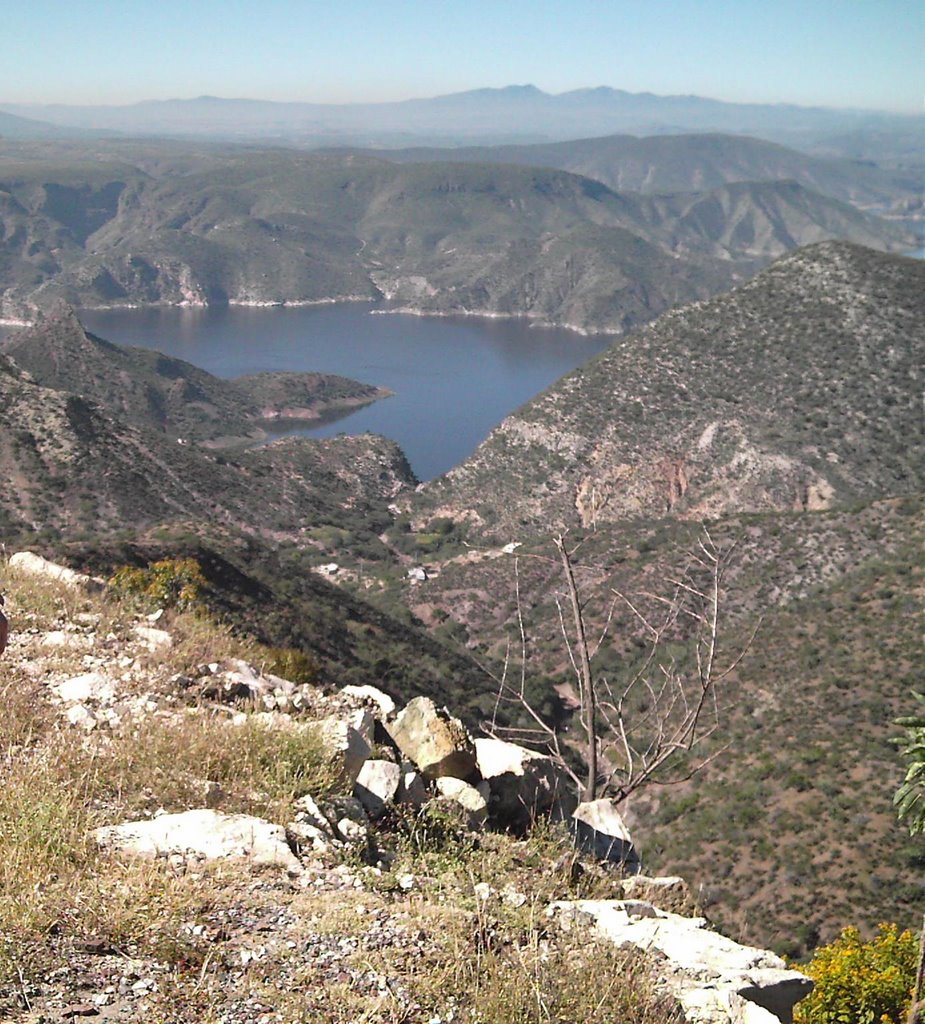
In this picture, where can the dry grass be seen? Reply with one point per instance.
(447, 951)
(57, 785)
(460, 956)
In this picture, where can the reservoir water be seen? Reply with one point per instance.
(453, 378)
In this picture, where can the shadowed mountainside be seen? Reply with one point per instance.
(158, 392)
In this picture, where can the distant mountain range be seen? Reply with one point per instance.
(693, 163)
(13, 127)
(511, 114)
(158, 223)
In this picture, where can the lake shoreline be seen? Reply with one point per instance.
(452, 378)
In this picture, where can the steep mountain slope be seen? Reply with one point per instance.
(755, 222)
(268, 592)
(154, 391)
(800, 389)
(75, 465)
(689, 163)
(276, 226)
(798, 798)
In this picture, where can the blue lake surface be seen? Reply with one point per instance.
(454, 378)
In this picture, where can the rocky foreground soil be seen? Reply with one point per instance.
(188, 837)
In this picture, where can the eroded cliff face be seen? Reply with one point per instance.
(798, 390)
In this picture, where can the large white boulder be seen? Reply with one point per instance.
(523, 784)
(435, 741)
(345, 745)
(377, 786)
(34, 565)
(205, 835)
(600, 831)
(714, 978)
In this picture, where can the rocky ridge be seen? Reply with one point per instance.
(800, 389)
(60, 438)
(270, 922)
(157, 392)
(234, 226)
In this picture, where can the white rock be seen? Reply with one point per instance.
(153, 639)
(377, 786)
(524, 784)
(308, 810)
(372, 695)
(80, 716)
(311, 827)
(472, 799)
(60, 638)
(600, 831)
(713, 976)
(364, 722)
(35, 565)
(346, 747)
(435, 741)
(206, 834)
(352, 831)
(90, 686)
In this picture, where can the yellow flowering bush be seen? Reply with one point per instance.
(170, 583)
(861, 982)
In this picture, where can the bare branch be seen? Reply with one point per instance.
(645, 729)
(588, 696)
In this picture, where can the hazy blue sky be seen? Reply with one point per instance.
(865, 53)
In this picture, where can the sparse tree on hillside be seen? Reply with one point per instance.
(649, 727)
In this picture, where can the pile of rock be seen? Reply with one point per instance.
(387, 758)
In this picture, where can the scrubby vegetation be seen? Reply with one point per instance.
(169, 583)
(862, 982)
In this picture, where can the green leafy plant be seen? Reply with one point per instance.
(292, 664)
(861, 982)
(909, 797)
